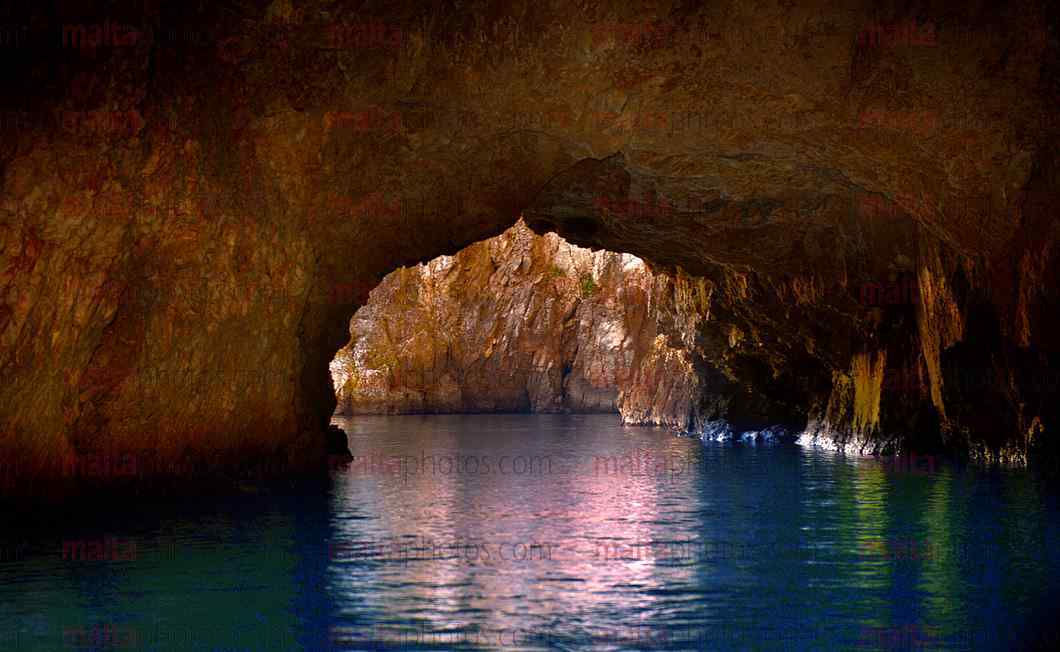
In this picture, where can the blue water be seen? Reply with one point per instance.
(561, 532)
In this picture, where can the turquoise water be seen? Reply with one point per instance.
(561, 532)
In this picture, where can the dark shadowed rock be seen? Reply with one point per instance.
(187, 226)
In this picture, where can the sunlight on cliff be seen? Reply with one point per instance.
(523, 323)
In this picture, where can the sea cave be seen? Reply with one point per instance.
(712, 325)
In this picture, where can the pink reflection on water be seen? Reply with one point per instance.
(472, 548)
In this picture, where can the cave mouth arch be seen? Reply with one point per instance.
(707, 238)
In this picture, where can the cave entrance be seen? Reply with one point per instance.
(517, 323)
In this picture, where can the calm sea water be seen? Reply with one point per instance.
(562, 532)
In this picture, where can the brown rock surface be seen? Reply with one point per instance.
(177, 276)
(518, 323)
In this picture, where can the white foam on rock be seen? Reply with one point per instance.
(818, 436)
(721, 431)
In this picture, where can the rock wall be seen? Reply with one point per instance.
(189, 220)
(519, 323)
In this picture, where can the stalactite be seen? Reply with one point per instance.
(866, 370)
(939, 320)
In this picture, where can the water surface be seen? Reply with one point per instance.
(562, 532)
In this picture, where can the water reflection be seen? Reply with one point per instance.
(745, 547)
(524, 557)
(562, 532)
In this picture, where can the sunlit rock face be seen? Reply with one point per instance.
(519, 323)
(188, 221)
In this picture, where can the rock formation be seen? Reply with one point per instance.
(519, 323)
(189, 218)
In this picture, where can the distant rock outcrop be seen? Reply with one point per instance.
(520, 322)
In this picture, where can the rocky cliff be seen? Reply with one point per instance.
(190, 217)
(517, 323)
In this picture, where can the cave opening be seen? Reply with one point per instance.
(519, 323)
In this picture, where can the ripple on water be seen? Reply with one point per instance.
(772, 547)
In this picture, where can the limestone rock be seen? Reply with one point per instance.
(519, 322)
